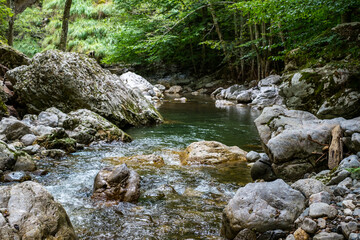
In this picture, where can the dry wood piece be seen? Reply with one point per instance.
(336, 148)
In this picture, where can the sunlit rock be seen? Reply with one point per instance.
(211, 152)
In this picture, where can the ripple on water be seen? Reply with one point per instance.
(176, 201)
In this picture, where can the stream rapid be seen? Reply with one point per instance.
(176, 202)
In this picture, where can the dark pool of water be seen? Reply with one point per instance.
(177, 202)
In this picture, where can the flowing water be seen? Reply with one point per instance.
(177, 202)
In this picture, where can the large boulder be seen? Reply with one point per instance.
(71, 81)
(28, 211)
(291, 137)
(11, 58)
(327, 92)
(261, 207)
(135, 81)
(117, 184)
(211, 152)
(86, 126)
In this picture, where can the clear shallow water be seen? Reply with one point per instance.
(177, 202)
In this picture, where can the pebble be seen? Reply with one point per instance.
(300, 234)
(348, 212)
(328, 236)
(348, 204)
(321, 223)
(309, 226)
(348, 228)
(322, 210)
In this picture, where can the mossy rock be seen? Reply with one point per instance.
(58, 140)
(12, 58)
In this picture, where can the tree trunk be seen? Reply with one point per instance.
(258, 58)
(11, 24)
(346, 17)
(65, 25)
(241, 48)
(336, 148)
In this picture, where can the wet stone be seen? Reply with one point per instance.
(16, 177)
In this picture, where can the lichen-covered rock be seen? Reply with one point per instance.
(71, 81)
(28, 211)
(261, 207)
(11, 58)
(86, 126)
(117, 184)
(211, 152)
(327, 92)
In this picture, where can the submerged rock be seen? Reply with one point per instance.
(28, 211)
(138, 161)
(261, 207)
(117, 184)
(211, 152)
(71, 81)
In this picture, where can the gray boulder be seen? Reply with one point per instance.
(13, 129)
(252, 156)
(86, 126)
(350, 162)
(269, 81)
(117, 184)
(261, 207)
(71, 81)
(320, 209)
(32, 213)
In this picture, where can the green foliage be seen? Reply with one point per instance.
(5, 13)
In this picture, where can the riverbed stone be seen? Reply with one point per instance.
(174, 90)
(348, 228)
(262, 169)
(117, 184)
(350, 162)
(309, 225)
(262, 206)
(338, 177)
(33, 213)
(309, 186)
(7, 157)
(211, 152)
(252, 156)
(32, 149)
(18, 176)
(328, 236)
(13, 129)
(301, 234)
(78, 82)
(320, 209)
(138, 160)
(272, 235)
(322, 196)
(245, 234)
(28, 139)
(24, 162)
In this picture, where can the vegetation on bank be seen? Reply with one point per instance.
(244, 39)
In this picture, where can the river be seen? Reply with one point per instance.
(177, 202)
